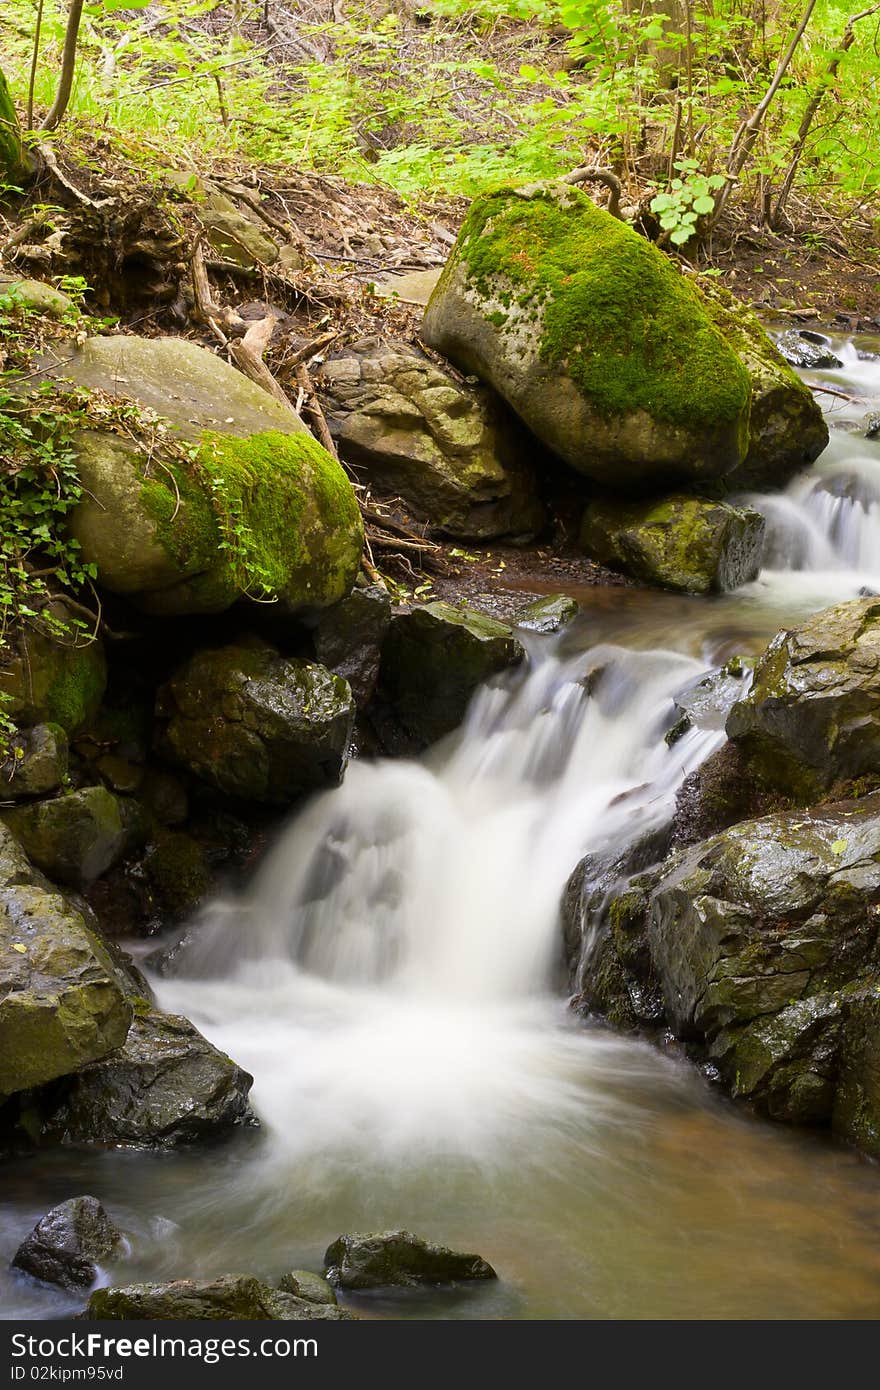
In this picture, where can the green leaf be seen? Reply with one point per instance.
(704, 205)
(681, 235)
(839, 846)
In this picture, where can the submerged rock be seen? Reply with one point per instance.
(311, 1287)
(547, 614)
(69, 1244)
(61, 1001)
(763, 945)
(75, 837)
(679, 542)
(244, 500)
(349, 637)
(231, 1297)
(812, 716)
(446, 448)
(257, 725)
(167, 1086)
(398, 1258)
(36, 764)
(433, 660)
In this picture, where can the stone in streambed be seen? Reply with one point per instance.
(812, 715)
(311, 1287)
(349, 637)
(433, 660)
(167, 1086)
(807, 350)
(257, 725)
(69, 1244)
(684, 543)
(231, 1297)
(75, 837)
(62, 1004)
(546, 615)
(400, 1259)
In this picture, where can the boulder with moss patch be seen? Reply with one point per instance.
(36, 763)
(78, 836)
(226, 493)
(257, 725)
(812, 715)
(594, 338)
(237, 1297)
(459, 462)
(684, 543)
(434, 659)
(177, 870)
(46, 680)
(61, 1001)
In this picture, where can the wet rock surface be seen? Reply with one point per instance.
(235, 1297)
(69, 1244)
(398, 1258)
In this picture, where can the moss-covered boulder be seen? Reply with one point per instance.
(61, 1001)
(177, 870)
(303, 1284)
(69, 1244)
(231, 1297)
(593, 337)
(459, 462)
(257, 725)
(400, 1259)
(546, 615)
(49, 681)
(349, 637)
(166, 1087)
(812, 716)
(76, 837)
(787, 429)
(434, 659)
(679, 542)
(242, 501)
(36, 763)
(763, 944)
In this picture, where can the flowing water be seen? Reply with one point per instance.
(392, 979)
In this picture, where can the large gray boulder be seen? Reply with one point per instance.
(257, 725)
(166, 1087)
(401, 1259)
(69, 1244)
(761, 945)
(445, 448)
(593, 337)
(434, 659)
(685, 543)
(62, 1004)
(812, 716)
(212, 490)
(231, 1297)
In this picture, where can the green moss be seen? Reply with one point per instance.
(259, 515)
(629, 330)
(178, 872)
(75, 693)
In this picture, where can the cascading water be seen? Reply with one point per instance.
(392, 980)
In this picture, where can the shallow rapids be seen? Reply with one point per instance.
(392, 979)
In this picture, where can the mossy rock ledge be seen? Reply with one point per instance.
(758, 947)
(812, 716)
(230, 1296)
(259, 505)
(594, 338)
(683, 543)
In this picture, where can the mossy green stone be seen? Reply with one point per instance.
(593, 337)
(61, 1001)
(74, 837)
(236, 1297)
(48, 681)
(685, 543)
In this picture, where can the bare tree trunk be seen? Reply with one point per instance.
(68, 64)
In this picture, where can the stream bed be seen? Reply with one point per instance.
(392, 980)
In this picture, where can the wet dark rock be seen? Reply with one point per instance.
(167, 1086)
(62, 1004)
(398, 1258)
(433, 660)
(310, 1287)
(76, 837)
(706, 703)
(257, 725)
(812, 716)
(177, 871)
(763, 944)
(807, 350)
(231, 1297)
(69, 1244)
(36, 765)
(349, 637)
(545, 615)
